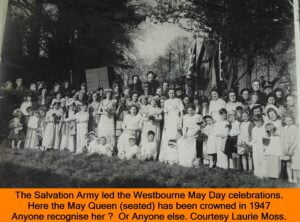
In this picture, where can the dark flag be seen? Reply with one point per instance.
(208, 66)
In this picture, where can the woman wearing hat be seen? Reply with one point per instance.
(106, 125)
(136, 85)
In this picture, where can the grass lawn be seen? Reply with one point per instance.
(31, 168)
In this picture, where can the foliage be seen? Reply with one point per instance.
(53, 37)
(247, 29)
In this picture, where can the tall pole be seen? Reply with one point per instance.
(170, 58)
(297, 46)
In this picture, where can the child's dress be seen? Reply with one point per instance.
(209, 147)
(16, 130)
(221, 134)
(244, 137)
(148, 150)
(258, 151)
(273, 151)
(231, 142)
(31, 141)
(291, 146)
(171, 156)
(100, 149)
(130, 152)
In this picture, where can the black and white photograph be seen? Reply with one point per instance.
(149, 93)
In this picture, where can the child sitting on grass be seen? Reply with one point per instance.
(101, 147)
(132, 150)
(171, 153)
(16, 134)
(149, 148)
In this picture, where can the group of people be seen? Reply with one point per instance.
(253, 130)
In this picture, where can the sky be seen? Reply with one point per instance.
(156, 38)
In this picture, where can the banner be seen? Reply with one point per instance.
(96, 78)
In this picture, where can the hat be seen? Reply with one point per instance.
(207, 116)
(268, 85)
(29, 108)
(108, 91)
(16, 112)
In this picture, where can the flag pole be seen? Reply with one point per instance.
(297, 47)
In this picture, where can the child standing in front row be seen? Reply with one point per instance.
(209, 148)
(258, 133)
(244, 139)
(31, 141)
(291, 152)
(16, 134)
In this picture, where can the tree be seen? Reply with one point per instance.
(247, 29)
(54, 37)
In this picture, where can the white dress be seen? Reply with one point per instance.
(131, 126)
(221, 134)
(82, 119)
(68, 134)
(151, 125)
(272, 157)
(106, 125)
(291, 146)
(215, 106)
(244, 137)
(31, 140)
(186, 145)
(95, 147)
(173, 109)
(52, 135)
(148, 150)
(258, 151)
(209, 146)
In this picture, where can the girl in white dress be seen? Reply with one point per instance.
(106, 125)
(151, 122)
(100, 146)
(244, 139)
(31, 141)
(291, 149)
(258, 134)
(173, 113)
(221, 134)
(131, 128)
(209, 147)
(149, 147)
(186, 145)
(82, 119)
(215, 105)
(23, 108)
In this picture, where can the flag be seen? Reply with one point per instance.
(3, 10)
(193, 60)
(208, 66)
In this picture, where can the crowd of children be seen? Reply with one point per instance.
(252, 131)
